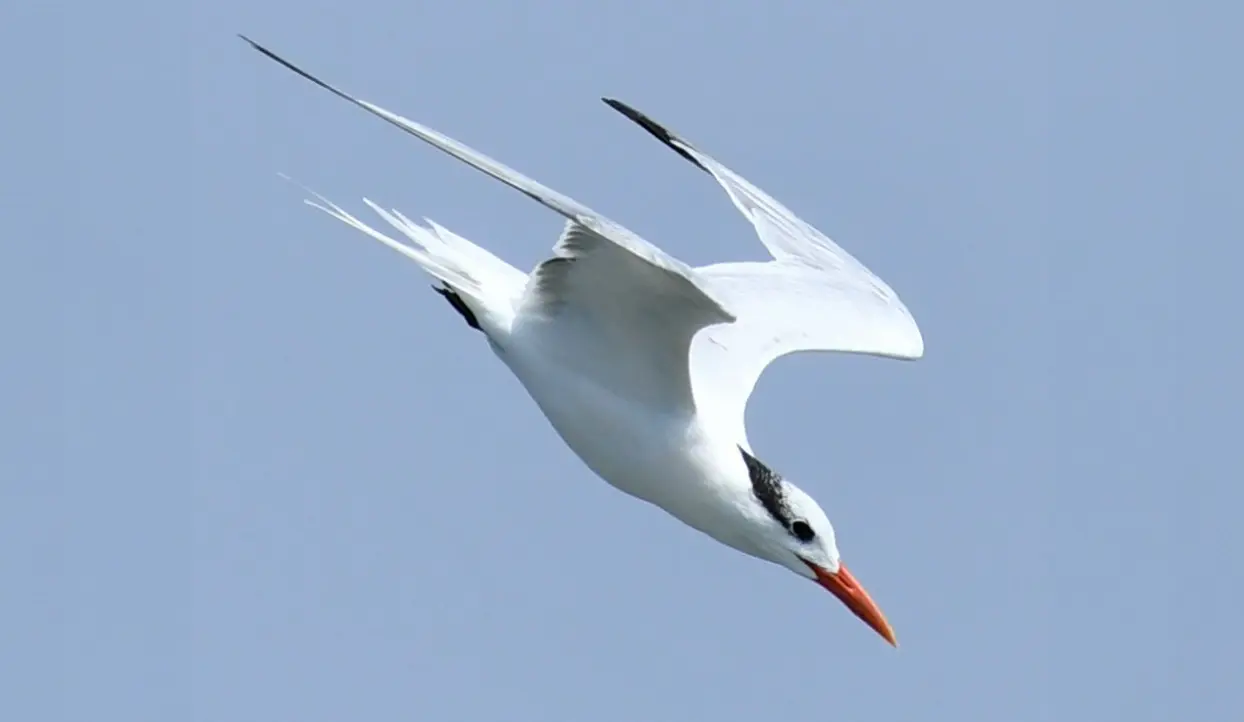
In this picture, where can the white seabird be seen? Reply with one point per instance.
(644, 364)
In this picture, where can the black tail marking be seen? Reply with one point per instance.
(456, 301)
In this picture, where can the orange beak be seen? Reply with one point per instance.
(850, 593)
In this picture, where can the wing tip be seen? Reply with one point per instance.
(295, 69)
(658, 131)
(256, 46)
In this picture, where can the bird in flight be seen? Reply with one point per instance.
(644, 364)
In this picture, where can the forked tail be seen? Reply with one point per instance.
(484, 289)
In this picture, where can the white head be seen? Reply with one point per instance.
(786, 526)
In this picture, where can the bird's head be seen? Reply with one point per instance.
(793, 531)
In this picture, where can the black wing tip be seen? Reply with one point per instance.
(657, 130)
(282, 61)
(260, 48)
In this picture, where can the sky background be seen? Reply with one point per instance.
(252, 468)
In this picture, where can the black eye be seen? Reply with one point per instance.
(802, 531)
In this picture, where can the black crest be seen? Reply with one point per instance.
(767, 488)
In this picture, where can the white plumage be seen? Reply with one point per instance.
(644, 364)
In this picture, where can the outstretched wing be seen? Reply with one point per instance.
(814, 296)
(608, 304)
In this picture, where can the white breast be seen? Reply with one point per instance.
(660, 457)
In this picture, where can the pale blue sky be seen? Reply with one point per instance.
(252, 468)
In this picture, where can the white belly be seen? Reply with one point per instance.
(663, 457)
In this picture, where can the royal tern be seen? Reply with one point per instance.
(644, 365)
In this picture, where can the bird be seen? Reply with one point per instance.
(644, 365)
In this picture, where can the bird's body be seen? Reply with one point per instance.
(666, 454)
(643, 364)
(665, 458)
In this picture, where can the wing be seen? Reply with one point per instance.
(814, 296)
(786, 308)
(613, 306)
(615, 317)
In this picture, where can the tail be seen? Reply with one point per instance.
(484, 289)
